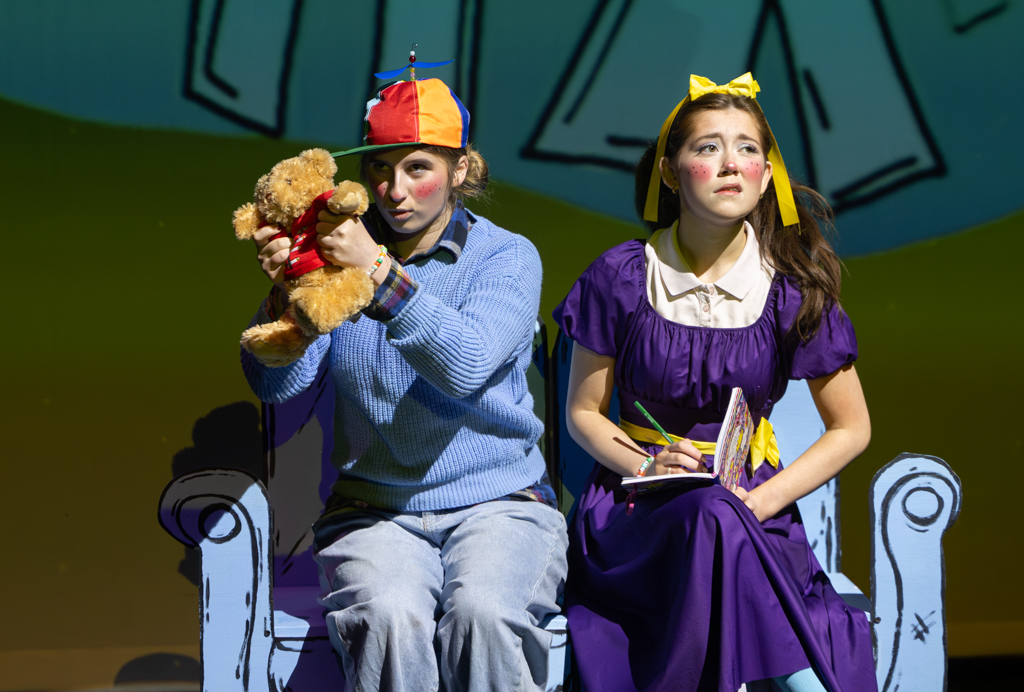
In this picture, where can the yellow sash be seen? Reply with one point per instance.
(763, 446)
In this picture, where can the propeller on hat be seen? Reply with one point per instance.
(391, 74)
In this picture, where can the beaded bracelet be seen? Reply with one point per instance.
(380, 260)
(644, 466)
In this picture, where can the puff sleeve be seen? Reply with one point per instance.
(599, 306)
(833, 346)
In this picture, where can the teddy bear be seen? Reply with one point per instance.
(321, 295)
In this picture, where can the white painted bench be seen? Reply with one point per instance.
(263, 630)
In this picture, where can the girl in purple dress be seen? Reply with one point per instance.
(700, 587)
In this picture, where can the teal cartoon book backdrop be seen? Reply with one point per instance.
(130, 131)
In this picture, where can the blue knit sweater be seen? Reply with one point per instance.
(432, 408)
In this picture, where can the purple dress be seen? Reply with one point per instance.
(690, 592)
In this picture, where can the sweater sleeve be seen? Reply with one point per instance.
(457, 350)
(275, 385)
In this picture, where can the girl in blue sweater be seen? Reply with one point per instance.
(441, 549)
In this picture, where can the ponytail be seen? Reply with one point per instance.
(475, 184)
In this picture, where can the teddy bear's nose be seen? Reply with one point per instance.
(288, 180)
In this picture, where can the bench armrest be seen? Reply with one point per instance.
(914, 500)
(225, 513)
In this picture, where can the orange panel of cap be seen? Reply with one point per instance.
(440, 121)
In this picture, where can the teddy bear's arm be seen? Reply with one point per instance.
(277, 384)
(246, 221)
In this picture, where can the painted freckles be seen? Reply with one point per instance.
(426, 190)
(752, 171)
(701, 172)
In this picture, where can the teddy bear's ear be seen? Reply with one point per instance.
(246, 221)
(322, 160)
(259, 193)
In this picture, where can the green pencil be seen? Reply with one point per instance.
(653, 422)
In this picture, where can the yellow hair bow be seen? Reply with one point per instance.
(744, 85)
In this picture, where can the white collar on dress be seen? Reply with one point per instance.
(678, 278)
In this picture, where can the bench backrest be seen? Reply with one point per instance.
(299, 437)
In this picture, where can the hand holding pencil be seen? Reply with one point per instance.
(677, 456)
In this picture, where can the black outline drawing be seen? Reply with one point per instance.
(530, 149)
(912, 475)
(771, 9)
(274, 130)
(844, 198)
(612, 35)
(819, 106)
(467, 68)
(937, 171)
(966, 25)
(921, 628)
(208, 54)
(830, 529)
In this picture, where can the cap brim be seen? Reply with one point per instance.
(375, 147)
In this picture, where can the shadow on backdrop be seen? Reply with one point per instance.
(226, 437)
(159, 668)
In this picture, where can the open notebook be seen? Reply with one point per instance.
(731, 451)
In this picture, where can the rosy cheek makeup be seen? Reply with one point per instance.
(701, 172)
(381, 189)
(426, 190)
(752, 171)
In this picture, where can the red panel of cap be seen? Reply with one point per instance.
(396, 117)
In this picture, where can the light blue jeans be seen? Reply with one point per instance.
(456, 596)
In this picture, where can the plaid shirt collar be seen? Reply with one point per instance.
(452, 240)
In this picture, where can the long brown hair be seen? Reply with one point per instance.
(801, 252)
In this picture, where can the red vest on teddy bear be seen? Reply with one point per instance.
(305, 255)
